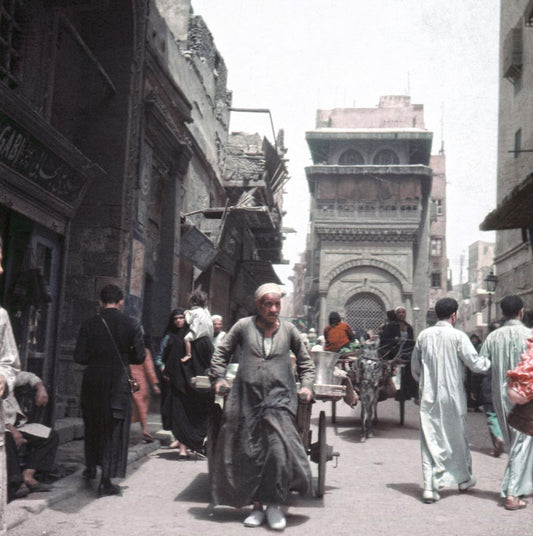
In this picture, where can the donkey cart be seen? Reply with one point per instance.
(372, 377)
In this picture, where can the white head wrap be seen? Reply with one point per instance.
(400, 307)
(267, 288)
(216, 317)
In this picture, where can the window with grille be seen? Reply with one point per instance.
(351, 157)
(436, 247)
(435, 280)
(11, 21)
(365, 311)
(386, 157)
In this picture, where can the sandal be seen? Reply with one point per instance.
(38, 487)
(147, 438)
(514, 503)
(22, 491)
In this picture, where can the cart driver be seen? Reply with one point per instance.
(259, 457)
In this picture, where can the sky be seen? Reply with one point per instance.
(296, 56)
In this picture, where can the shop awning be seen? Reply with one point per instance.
(515, 211)
(196, 247)
(261, 272)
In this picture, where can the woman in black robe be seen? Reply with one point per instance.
(184, 409)
(107, 343)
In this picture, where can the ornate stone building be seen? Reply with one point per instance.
(113, 136)
(377, 240)
(513, 217)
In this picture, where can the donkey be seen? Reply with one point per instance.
(370, 376)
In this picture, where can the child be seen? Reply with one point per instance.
(199, 320)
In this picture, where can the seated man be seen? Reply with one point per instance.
(31, 444)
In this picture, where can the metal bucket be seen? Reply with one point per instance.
(324, 365)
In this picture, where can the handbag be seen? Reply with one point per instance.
(521, 417)
(134, 384)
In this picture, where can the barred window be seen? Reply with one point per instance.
(12, 15)
(386, 157)
(365, 311)
(438, 205)
(351, 157)
(436, 281)
(436, 247)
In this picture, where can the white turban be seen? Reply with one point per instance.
(216, 317)
(400, 307)
(267, 288)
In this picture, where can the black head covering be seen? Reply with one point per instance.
(334, 318)
(171, 327)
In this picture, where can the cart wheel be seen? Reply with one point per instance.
(333, 411)
(213, 426)
(322, 454)
(401, 396)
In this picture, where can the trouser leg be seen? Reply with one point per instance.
(41, 451)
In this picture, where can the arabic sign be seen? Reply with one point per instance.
(22, 153)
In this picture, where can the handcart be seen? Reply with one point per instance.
(325, 390)
(319, 452)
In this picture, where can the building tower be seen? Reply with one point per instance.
(371, 215)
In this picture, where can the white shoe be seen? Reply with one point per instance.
(465, 486)
(255, 519)
(276, 519)
(429, 496)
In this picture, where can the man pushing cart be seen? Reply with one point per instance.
(259, 456)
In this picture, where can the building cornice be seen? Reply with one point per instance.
(415, 169)
(369, 134)
(373, 234)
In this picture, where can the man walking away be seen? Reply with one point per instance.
(504, 347)
(438, 364)
(107, 344)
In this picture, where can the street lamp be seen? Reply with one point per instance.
(490, 284)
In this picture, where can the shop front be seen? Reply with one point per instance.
(42, 181)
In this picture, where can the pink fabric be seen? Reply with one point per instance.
(520, 379)
(143, 373)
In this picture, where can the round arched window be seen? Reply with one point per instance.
(365, 311)
(351, 157)
(386, 157)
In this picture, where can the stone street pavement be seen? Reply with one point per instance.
(374, 490)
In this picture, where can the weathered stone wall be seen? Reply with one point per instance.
(513, 256)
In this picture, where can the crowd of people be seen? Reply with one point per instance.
(259, 457)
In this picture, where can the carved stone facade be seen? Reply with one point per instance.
(371, 215)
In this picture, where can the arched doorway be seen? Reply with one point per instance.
(365, 311)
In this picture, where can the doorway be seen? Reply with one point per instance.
(30, 290)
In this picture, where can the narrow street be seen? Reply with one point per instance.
(374, 490)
